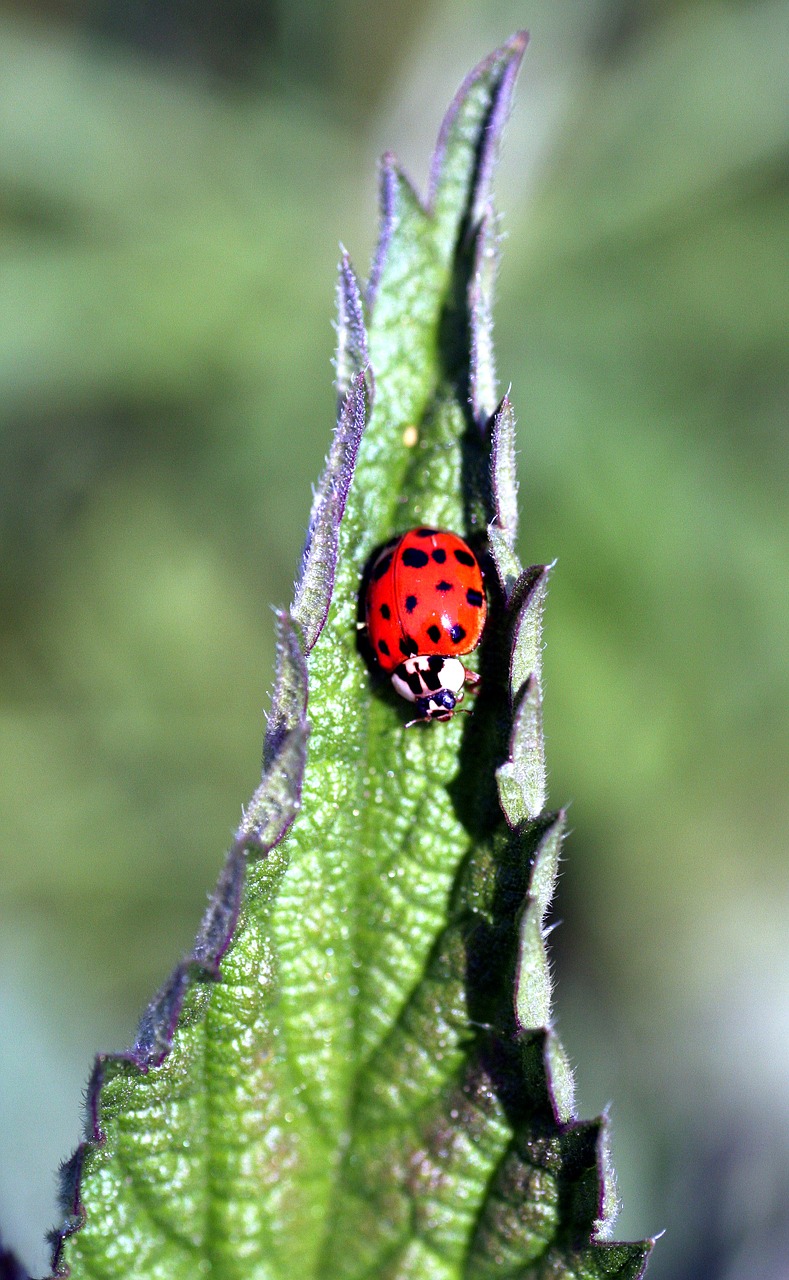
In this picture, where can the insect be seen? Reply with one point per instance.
(425, 605)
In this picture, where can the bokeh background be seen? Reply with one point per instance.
(174, 181)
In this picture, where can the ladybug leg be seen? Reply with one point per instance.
(473, 680)
(448, 715)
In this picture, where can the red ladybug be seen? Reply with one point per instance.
(425, 605)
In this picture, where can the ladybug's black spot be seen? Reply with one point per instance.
(380, 567)
(434, 633)
(384, 647)
(424, 533)
(385, 612)
(414, 559)
(465, 557)
(474, 597)
(439, 555)
(443, 586)
(432, 680)
(457, 633)
(408, 646)
(410, 603)
(435, 662)
(414, 681)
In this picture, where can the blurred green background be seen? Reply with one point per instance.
(174, 181)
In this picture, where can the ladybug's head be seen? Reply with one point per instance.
(434, 685)
(437, 706)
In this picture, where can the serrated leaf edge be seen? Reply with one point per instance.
(315, 583)
(391, 180)
(284, 757)
(352, 357)
(287, 734)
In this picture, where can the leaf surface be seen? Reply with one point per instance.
(353, 1074)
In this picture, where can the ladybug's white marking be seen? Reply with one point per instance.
(435, 684)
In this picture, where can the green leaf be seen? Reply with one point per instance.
(354, 1073)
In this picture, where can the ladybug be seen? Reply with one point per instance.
(424, 606)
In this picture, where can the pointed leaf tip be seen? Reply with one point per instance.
(373, 1085)
(472, 128)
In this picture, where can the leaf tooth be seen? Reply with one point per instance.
(522, 778)
(618, 1261)
(508, 566)
(397, 198)
(319, 560)
(289, 698)
(608, 1200)
(482, 376)
(527, 603)
(149, 1050)
(352, 356)
(545, 860)
(277, 799)
(559, 1075)
(70, 1202)
(219, 921)
(504, 469)
(538, 1185)
(158, 1023)
(532, 996)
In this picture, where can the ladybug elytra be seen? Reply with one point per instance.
(425, 606)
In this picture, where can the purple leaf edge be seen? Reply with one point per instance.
(351, 330)
(158, 1024)
(503, 465)
(390, 176)
(318, 568)
(510, 56)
